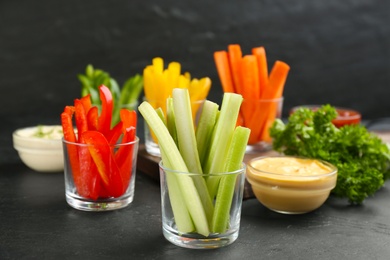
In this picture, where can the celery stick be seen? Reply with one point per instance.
(222, 135)
(171, 120)
(175, 160)
(188, 147)
(227, 183)
(180, 211)
(161, 115)
(205, 128)
(185, 129)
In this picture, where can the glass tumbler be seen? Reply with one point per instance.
(259, 115)
(192, 218)
(99, 182)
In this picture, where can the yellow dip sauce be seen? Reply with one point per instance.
(289, 184)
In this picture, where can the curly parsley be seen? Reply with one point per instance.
(362, 158)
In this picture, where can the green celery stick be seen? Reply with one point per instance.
(187, 145)
(180, 212)
(221, 138)
(171, 125)
(160, 113)
(175, 160)
(225, 193)
(185, 129)
(205, 128)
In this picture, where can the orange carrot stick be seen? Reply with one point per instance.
(250, 88)
(259, 52)
(272, 113)
(276, 81)
(235, 56)
(223, 67)
(250, 77)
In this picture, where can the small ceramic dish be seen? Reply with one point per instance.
(291, 185)
(40, 147)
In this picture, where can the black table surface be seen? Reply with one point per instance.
(37, 223)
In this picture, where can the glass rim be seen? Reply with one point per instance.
(241, 170)
(333, 168)
(136, 141)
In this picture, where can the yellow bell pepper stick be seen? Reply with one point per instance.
(174, 70)
(158, 65)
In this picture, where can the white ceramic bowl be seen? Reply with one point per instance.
(40, 147)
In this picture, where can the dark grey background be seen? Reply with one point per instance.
(338, 50)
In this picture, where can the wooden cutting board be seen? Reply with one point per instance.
(148, 164)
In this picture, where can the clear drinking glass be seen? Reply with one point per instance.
(259, 115)
(173, 186)
(104, 184)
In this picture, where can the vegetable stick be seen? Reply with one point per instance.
(148, 82)
(255, 122)
(183, 82)
(221, 138)
(170, 119)
(188, 145)
(250, 87)
(277, 79)
(223, 67)
(174, 70)
(250, 77)
(266, 111)
(179, 208)
(226, 188)
(260, 54)
(235, 56)
(158, 64)
(206, 124)
(271, 114)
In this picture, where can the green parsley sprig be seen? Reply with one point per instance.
(362, 158)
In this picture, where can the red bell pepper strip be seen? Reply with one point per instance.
(87, 103)
(73, 155)
(67, 124)
(92, 118)
(88, 170)
(104, 123)
(115, 133)
(124, 155)
(128, 117)
(102, 155)
(81, 119)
